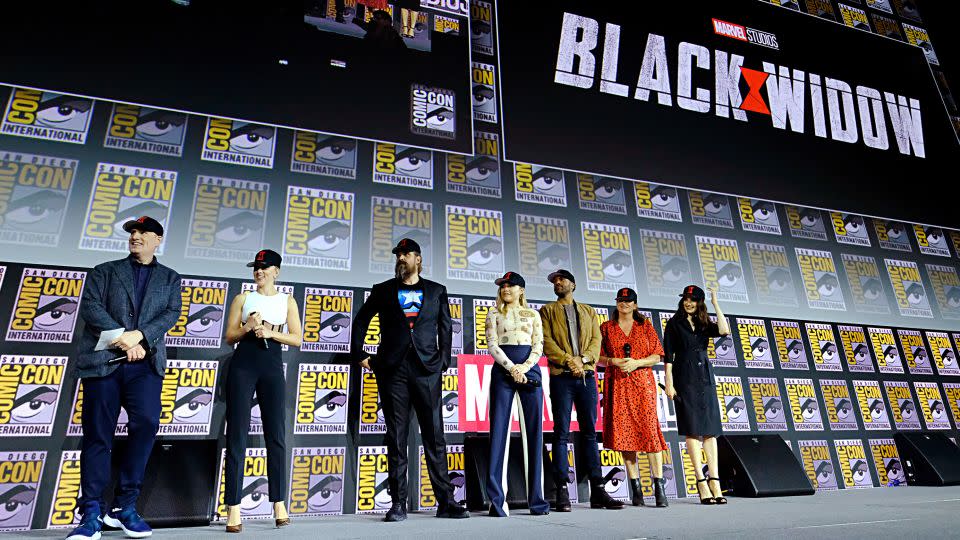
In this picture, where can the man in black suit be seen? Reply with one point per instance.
(415, 338)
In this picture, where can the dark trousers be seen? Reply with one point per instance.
(249, 372)
(409, 385)
(502, 391)
(565, 392)
(135, 387)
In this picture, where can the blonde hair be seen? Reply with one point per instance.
(502, 307)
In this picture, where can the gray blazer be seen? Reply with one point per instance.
(108, 303)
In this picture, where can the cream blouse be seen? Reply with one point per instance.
(518, 326)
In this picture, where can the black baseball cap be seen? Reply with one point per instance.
(561, 273)
(626, 294)
(512, 278)
(695, 293)
(144, 224)
(406, 245)
(266, 258)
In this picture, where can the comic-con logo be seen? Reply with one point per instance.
(601, 194)
(456, 318)
(371, 411)
(666, 262)
(326, 320)
(732, 403)
(806, 223)
(324, 155)
(908, 288)
(186, 397)
(474, 243)
(823, 346)
(772, 275)
(47, 115)
(955, 235)
(919, 37)
(754, 343)
(484, 93)
(323, 392)
(711, 209)
(393, 219)
(202, 307)
(63, 507)
(721, 350)
(931, 405)
(902, 405)
(931, 240)
(946, 289)
(854, 17)
(791, 351)
(372, 486)
(614, 474)
(883, 5)
(850, 229)
(818, 464)
(721, 268)
(854, 464)
(892, 235)
(885, 26)
(228, 217)
(121, 193)
(866, 286)
(856, 348)
(371, 339)
(433, 111)
(944, 356)
(143, 129)
(450, 401)
(426, 499)
(915, 352)
(478, 174)
(254, 493)
(767, 404)
(873, 410)
(544, 246)
(316, 481)
(836, 396)
(34, 192)
(886, 459)
(821, 8)
(29, 392)
(239, 143)
(481, 27)
(804, 406)
(657, 201)
(885, 350)
(20, 473)
(481, 308)
(318, 228)
(759, 216)
(402, 166)
(75, 424)
(540, 185)
(46, 306)
(609, 257)
(571, 470)
(952, 392)
(689, 474)
(818, 273)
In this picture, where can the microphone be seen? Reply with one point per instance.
(626, 350)
(264, 341)
(120, 359)
(664, 388)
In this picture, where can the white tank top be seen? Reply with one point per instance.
(272, 309)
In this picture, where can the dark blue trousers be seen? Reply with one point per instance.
(565, 392)
(136, 387)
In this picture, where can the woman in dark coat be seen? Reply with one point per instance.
(690, 383)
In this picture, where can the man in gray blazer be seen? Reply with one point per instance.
(142, 297)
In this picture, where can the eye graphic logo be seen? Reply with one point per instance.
(450, 401)
(804, 406)
(29, 394)
(902, 405)
(931, 240)
(318, 228)
(47, 116)
(371, 411)
(854, 17)
(733, 406)
(20, 474)
(850, 229)
(885, 350)
(873, 410)
(806, 223)
(667, 264)
(946, 289)
(484, 93)
(791, 351)
(657, 201)
(609, 256)
(201, 314)
(239, 143)
(772, 275)
(323, 392)
(823, 345)
(143, 129)
(754, 343)
(186, 397)
(818, 464)
(432, 111)
(767, 404)
(372, 494)
(614, 474)
(228, 217)
(892, 235)
(908, 289)
(856, 348)
(932, 405)
(952, 391)
(866, 287)
(710, 209)
(915, 352)
(601, 194)
(759, 216)
(887, 461)
(316, 481)
(854, 464)
(392, 220)
(324, 155)
(839, 404)
(474, 243)
(721, 268)
(819, 276)
(539, 185)
(944, 356)
(426, 499)
(34, 193)
(478, 174)
(919, 37)
(254, 496)
(544, 246)
(45, 310)
(326, 320)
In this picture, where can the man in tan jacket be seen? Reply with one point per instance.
(571, 342)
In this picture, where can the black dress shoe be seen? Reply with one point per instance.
(563, 499)
(397, 512)
(636, 491)
(453, 511)
(660, 492)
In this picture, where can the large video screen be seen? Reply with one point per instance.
(740, 96)
(384, 70)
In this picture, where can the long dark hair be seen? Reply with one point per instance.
(700, 317)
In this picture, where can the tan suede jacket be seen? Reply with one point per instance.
(556, 337)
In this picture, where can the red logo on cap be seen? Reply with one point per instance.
(623, 292)
(261, 254)
(141, 219)
(690, 289)
(508, 275)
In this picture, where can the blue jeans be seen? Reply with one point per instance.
(565, 392)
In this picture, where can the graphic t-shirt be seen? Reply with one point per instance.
(411, 299)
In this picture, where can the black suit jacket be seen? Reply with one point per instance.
(431, 335)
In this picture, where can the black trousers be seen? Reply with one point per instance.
(410, 386)
(254, 368)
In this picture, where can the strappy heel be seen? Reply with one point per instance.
(707, 500)
(721, 499)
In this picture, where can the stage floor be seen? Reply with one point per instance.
(906, 512)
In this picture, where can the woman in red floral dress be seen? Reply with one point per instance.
(629, 348)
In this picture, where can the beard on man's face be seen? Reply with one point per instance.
(403, 270)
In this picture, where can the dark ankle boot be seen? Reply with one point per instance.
(563, 498)
(599, 498)
(637, 491)
(660, 492)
